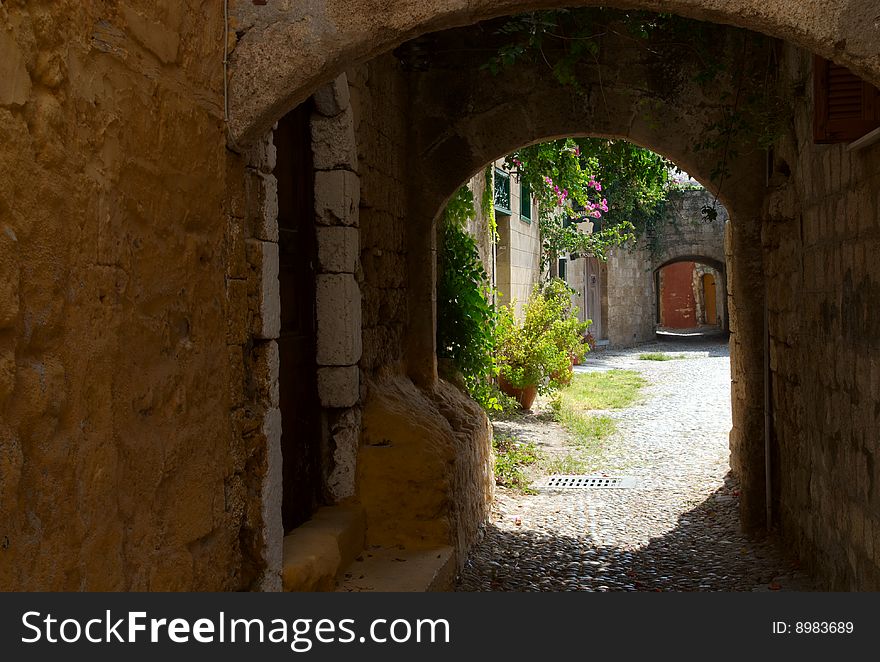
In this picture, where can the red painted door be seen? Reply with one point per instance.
(678, 307)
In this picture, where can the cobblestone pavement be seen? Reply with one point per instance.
(677, 530)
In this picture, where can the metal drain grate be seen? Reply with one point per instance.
(581, 482)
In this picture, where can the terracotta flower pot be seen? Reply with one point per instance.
(524, 396)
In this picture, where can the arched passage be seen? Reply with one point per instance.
(465, 117)
(450, 120)
(160, 267)
(691, 293)
(284, 53)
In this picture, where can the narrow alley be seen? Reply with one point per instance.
(675, 529)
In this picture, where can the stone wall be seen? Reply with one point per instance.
(518, 254)
(631, 296)
(821, 239)
(120, 467)
(424, 466)
(480, 226)
(283, 52)
(684, 232)
(378, 99)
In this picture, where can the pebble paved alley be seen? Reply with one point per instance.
(676, 529)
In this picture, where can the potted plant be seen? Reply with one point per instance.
(536, 355)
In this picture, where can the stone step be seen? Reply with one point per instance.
(383, 569)
(316, 552)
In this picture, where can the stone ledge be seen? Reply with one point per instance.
(316, 552)
(394, 570)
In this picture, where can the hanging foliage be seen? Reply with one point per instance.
(465, 317)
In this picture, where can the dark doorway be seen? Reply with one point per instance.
(300, 409)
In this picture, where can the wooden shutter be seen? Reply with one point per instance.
(845, 106)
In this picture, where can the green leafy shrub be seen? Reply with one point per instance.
(539, 350)
(465, 317)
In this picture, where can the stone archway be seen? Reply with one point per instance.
(697, 264)
(772, 197)
(465, 117)
(283, 53)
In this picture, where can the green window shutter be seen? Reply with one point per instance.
(525, 202)
(502, 192)
(563, 268)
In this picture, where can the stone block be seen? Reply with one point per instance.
(338, 249)
(264, 289)
(262, 205)
(338, 302)
(236, 311)
(345, 432)
(9, 278)
(316, 552)
(333, 98)
(15, 83)
(334, 146)
(338, 386)
(263, 155)
(270, 496)
(337, 197)
(264, 371)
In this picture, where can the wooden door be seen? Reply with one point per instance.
(300, 410)
(709, 298)
(593, 303)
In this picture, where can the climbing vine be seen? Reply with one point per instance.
(562, 182)
(466, 318)
(753, 108)
(487, 203)
(622, 189)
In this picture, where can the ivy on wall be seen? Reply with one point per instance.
(466, 319)
(753, 108)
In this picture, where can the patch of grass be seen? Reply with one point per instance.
(510, 458)
(660, 356)
(611, 389)
(569, 464)
(588, 431)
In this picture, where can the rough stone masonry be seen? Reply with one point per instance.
(139, 300)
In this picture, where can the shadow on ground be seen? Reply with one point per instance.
(704, 552)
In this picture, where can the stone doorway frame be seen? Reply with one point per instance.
(337, 310)
(722, 285)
